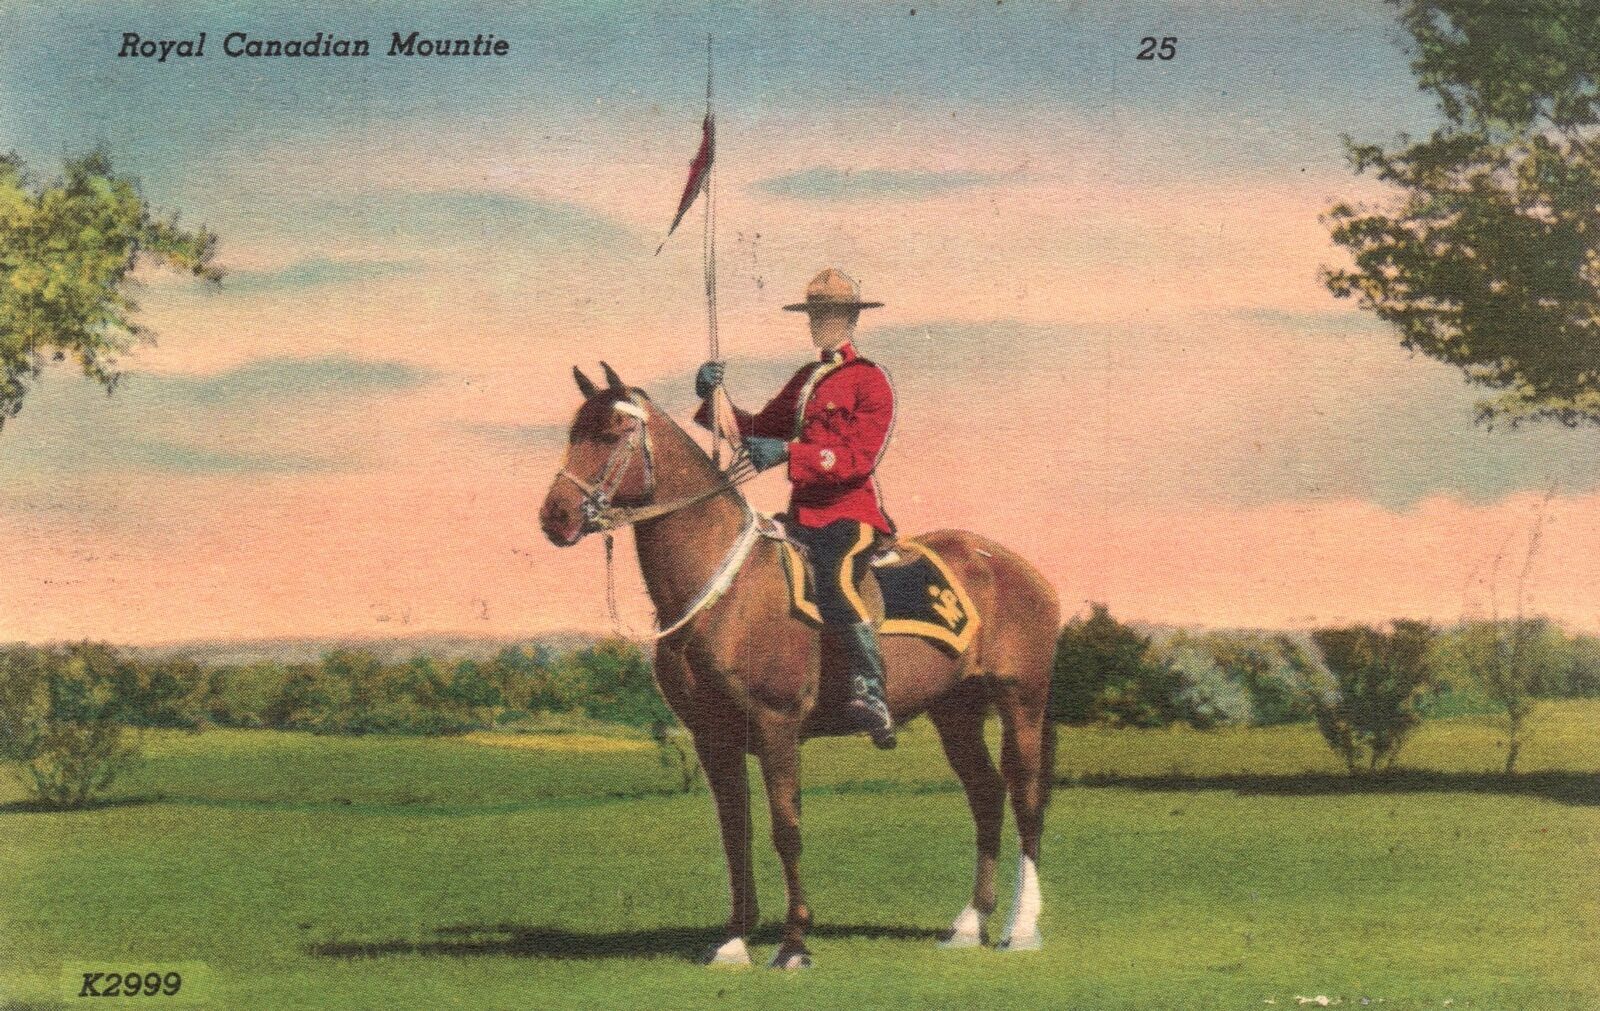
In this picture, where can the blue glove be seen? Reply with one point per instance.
(708, 378)
(766, 452)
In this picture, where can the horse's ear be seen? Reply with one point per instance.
(613, 380)
(585, 384)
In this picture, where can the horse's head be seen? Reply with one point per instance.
(609, 460)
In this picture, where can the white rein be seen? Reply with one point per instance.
(599, 515)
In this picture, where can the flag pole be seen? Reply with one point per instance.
(712, 341)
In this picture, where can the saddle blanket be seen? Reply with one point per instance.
(921, 596)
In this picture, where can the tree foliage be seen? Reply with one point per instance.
(1512, 663)
(62, 721)
(1105, 672)
(67, 250)
(1488, 258)
(1378, 677)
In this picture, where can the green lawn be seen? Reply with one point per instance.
(1186, 870)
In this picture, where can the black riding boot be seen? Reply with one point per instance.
(868, 707)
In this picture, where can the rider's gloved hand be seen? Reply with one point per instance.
(708, 378)
(766, 452)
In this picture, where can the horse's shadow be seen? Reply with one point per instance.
(522, 940)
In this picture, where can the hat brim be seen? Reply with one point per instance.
(822, 306)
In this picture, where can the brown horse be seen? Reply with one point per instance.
(742, 671)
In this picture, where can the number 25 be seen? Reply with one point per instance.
(1165, 51)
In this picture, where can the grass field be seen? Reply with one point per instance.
(1237, 869)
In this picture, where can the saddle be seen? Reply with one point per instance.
(909, 589)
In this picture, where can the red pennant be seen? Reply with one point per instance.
(699, 175)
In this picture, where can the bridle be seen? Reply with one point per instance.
(601, 513)
(596, 508)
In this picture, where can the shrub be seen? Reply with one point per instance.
(1377, 678)
(520, 673)
(621, 686)
(60, 722)
(1209, 697)
(243, 696)
(159, 693)
(1104, 672)
(1275, 671)
(1508, 663)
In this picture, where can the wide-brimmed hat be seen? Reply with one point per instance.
(832, 289)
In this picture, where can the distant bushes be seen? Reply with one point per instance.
(1367, 689)
(1109, 672)
(1105, 673)
(351, 691)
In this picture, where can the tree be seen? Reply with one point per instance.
(60, 721)
(1512, 663)
(1104, 671)
(67, 250)
(1488, 259)
(1379, 676)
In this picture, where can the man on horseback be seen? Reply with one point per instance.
(831, 422)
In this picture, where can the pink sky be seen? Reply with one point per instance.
(1133, 377)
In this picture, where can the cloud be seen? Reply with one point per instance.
(179, 458)
(477, 218)
(270, 416)
(282, 378)
(1243, 408)
(826, 183)
(313, 272)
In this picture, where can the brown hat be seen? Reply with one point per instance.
(832, 289)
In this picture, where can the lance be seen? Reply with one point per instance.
(702, 171)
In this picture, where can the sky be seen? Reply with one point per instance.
(1104, 320)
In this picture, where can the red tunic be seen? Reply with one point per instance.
(835, 438)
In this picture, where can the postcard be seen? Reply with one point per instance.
(1000, 503)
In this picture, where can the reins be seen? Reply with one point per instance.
(601, 515)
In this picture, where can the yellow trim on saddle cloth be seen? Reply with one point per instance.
(954, 601)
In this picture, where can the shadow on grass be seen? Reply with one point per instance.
(519, 940)
(1562, 786)
(40, 807)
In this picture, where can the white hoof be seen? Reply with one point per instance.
(965, 932)
(731, 955)
(793, 960)
(1033, 942)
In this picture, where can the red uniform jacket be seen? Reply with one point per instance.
(835, 437)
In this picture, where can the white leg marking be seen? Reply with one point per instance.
(733, 954)
(967, 930)
(1022, 932)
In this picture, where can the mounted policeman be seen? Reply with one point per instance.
(831, 423)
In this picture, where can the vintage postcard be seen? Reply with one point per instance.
(811, 504)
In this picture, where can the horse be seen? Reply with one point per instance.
(741, 672)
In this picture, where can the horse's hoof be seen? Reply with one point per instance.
(970, 930)
(790, 959)
(1033, 942)
(731, 954)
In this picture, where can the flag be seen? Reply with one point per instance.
(699, 175)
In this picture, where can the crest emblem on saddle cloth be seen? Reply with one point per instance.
(921, 596)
